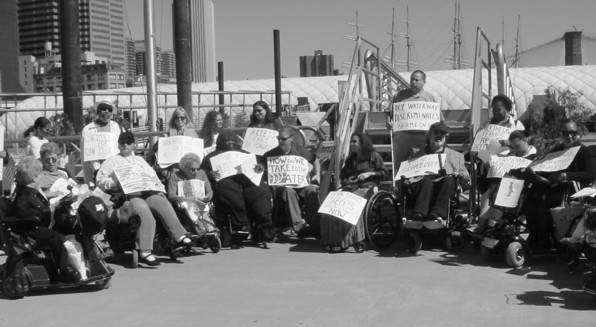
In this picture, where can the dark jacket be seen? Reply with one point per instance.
(30, 202)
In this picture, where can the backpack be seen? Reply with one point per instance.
(93, 214)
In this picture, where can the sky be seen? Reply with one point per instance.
(244, 29)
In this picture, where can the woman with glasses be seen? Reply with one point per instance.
(40, 129)
(49, 153)
(262, 117)
(180, 125)
(144, 202)
(212, 125)
(190, 169)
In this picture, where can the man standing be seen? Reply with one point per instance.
(292, 198)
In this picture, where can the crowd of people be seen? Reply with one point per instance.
(268, 211)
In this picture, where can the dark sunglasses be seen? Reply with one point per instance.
(105, 107)
(569, 133)
(283, 139)
(127, 142)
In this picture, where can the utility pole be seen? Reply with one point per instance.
(71, 63)
(181, 12)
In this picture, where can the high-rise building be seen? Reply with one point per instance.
(318, 65)
(140, 55)
(101, 27)
(202, 40)
(130, 61)
(9, 51)
(168, 64)
(27, 70)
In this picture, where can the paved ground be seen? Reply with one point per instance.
(294, 284)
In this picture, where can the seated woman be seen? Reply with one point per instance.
(49, 153)
(431, 193)
(30, 201)
(179, 124)
(238, 193)
(362, 172)
(142, 202)
(212, 126)
(582, 169)
(189, 169)
(262, 117)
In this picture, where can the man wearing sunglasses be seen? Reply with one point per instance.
(103, 123)
(292, 198)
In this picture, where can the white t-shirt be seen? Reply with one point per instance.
(34, 144)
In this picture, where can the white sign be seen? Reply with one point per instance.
(173, 148)
(415, 115)
(343, 205)
(192, 188)
(425, 165)
(208, 150)
(555, 161)
(490, 132)
(248, 168)
(287, 171)
(509, 192)
(228, 163)
(134, 178)
(100, 146)
(259, 140)
(499, 166)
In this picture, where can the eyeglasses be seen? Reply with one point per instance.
(181, 118)
(105, 107)
(569, 133)
(127, 142)
(194, 169)
(283, 139)
(50, 160)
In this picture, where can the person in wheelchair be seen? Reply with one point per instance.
(582, 170)
(30, 201)
(142, 202)
(431, 193)
(361, 174)
(49, 153)
(292, 198)
(238, 193)
(583, 239)
(189, 170)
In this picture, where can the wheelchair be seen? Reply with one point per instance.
(230, 238)
(31, 265)
(203, 230)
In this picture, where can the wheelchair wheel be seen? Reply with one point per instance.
(214, 243)
(515, 255)
(414, 242)
(13, 288)
(380, 219)
(455, 241)
(134, 264)
(104, 284)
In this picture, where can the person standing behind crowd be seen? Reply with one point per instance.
(103, 123)
(41, 128)
(179, 124)
(262, 117)
(212, 125)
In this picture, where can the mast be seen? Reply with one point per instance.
(393, 39)
(517, 45)
(150, 68)
(456, 57)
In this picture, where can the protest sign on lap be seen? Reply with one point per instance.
(499, 166)
(555, 161)
(100, 146)
(133, 179)
(343, 205)
(490, 132)
(291, 171)
(192, 188)
(425, 165)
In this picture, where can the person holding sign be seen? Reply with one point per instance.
(432, 192)
(290, 198)
(405, 141)
(238, 193)
(582, 169)
(501, 107)
(190, 170)
(144, 201)
(102, 124)
(362, 172)
(262, 117)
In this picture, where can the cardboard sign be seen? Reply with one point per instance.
(208, 150)
(173, 148)
(289, 171)
(100, 146)
(192, 188)
(509, 192)
(259, 140)
(415, 115)
(228, 163)
(134, 178)
(499, 166)
(490, 132)
(343, 205)
(248, 168)
(555, 161)
(425, 165)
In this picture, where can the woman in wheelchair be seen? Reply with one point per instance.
(145, 202)
(582, 169)
(431, 193)
(29, 201)
(189, 170)
(362, 172)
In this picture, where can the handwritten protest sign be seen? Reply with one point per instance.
(134, 178)
(259, 140)
(499, 166)
(208, 150)
(173, 148)
(343, 205)
(555, 161)
(192, 188)
(425, 165)
(415, 115)
(287, 171)
(490, 132)
(228, 163)
(248, 169)
(509, 192)
(100, 146)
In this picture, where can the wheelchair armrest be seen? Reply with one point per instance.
(13, 221)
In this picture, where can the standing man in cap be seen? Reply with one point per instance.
(103, 123)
